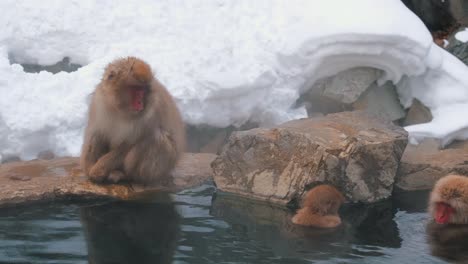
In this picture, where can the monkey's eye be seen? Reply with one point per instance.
(111, 75)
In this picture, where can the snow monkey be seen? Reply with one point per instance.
(448, 202)
(135, 131)
(320, 208)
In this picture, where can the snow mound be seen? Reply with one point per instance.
(225, 61)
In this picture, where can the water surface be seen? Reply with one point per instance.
(198, 226)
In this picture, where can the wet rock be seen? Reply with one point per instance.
(61, 178)
(381, 101)
(19, 177)
(417, 114)
(422, 165)
(355, 152)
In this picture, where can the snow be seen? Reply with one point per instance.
(446, 43)
(225, 61)
(462, 35)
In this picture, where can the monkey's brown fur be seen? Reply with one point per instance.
(122, 143)
(452, 190)
(320, 208)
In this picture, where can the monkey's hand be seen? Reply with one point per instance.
(111, 161)
(98, 173)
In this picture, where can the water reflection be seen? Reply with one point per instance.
(191, 227)
(450, 242)
(373, 225)
(130, 232)
(411, 202)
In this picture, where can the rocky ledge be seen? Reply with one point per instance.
(357, 153)
(61, 178)
(422, 165)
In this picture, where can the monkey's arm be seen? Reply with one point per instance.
(93, 148)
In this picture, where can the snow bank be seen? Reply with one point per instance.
(225, 61)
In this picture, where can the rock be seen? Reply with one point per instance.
(61, 178)
(381, 101)
(347, 86)
(422, 165)
(65, 65)
(46, 155)
(417, 114)
(457, 48)
(357, 153)
(337, 93)
(208, 139)
(354, 89)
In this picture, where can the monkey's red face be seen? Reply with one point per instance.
(127, 98)
(443, 213)
(127, 84)
(137, 98)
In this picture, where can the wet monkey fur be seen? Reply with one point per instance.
(135, 131)
(320, 208)
(448, 202)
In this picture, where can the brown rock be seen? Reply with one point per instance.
(39, 180)
(422, 165)
(353, 151)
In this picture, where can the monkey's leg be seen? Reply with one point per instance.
(94, 147)
(116, 175)
(148, 162)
